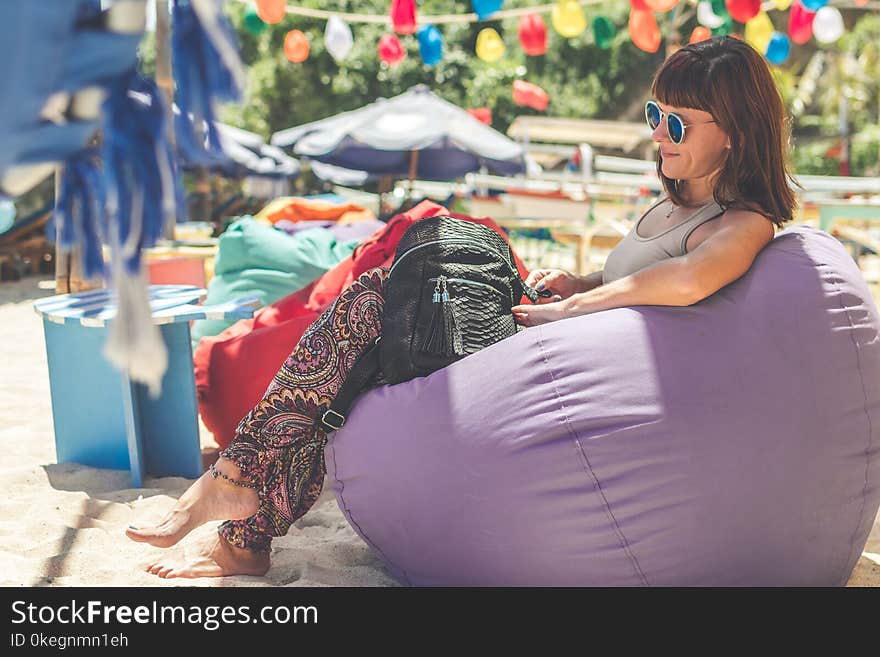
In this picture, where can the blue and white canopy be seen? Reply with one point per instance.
(381, 137)
(242, 153)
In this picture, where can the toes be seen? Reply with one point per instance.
(162, 537)
(134, 534)
(190, 572)
(203, 570)
(143, 534)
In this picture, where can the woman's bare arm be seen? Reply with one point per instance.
(721, 259)
(591, 281)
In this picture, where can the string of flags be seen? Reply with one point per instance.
(807, 19)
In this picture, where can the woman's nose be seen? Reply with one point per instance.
(660, 133)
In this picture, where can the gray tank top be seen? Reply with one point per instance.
(635, 252)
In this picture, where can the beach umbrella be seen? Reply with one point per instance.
(251, 155)
(235, 153)
(341, 176)
(415, 134)
(247, 154)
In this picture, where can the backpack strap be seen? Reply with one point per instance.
(364, 368)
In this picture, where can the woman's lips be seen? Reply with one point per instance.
(666, 155)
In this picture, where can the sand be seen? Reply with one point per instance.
(63, 524)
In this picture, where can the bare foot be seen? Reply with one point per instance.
(207, 499)
(210, 556)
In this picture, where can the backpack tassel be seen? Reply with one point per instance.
(443, 331)
(450, 325)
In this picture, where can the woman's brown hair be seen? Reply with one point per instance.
(729, 79)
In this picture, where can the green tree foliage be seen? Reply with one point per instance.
(862, 86)
(581, 79)
(850, 72)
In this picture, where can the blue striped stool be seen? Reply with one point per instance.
(101, 417)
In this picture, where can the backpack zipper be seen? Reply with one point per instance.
(453, 241)
(444, 280)
(511, 268)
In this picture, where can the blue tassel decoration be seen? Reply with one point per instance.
(88, 11)
(207, 69)
(142, 182)
(141, 176)
(81, 210)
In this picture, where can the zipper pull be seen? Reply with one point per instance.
(443, 337)
(531, 293)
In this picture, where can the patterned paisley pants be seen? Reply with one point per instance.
(277, 445)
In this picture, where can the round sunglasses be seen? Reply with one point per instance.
(674, 125)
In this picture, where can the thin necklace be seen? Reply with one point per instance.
(669, 214)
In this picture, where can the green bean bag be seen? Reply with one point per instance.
(256, 259)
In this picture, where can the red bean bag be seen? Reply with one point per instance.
(233, 369)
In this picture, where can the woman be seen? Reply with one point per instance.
(719, 122)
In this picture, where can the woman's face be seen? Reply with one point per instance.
(700, 154)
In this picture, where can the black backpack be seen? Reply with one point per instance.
(449, 293)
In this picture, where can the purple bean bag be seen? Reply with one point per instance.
(733, 442)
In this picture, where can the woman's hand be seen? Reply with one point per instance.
(561, 283)
(564, 302)
(541, 313)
